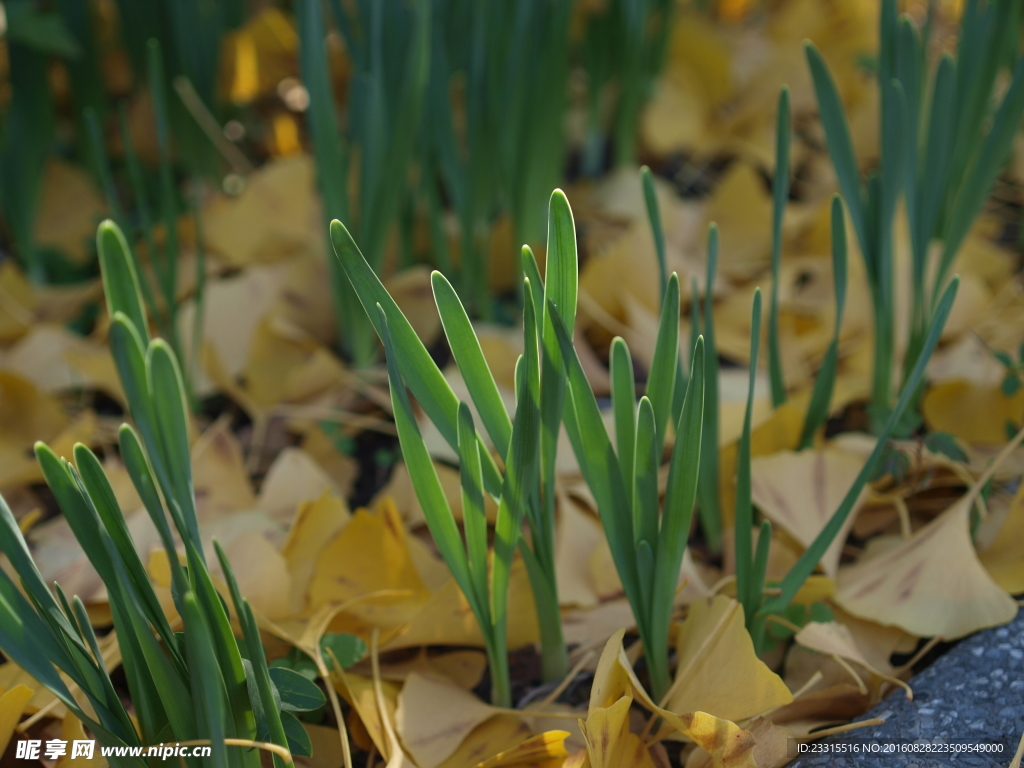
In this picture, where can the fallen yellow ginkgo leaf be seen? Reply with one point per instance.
(931, 584)
(12, 706)
(742, 208)
(1004, 558)
(975, 414)
(717, 669)
(71, 730)
(358, 691)
(434, 716)
(446, 619)
(834, 639)
(770, 751)
(800, 491)
(545, 750)
(490, 738)
(729, 745)
(277, 215)
(610, 744)
(370, 554)
(316, 524)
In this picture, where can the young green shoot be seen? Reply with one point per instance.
(780, 195)
(389, 45)
(411, 363)
(707, 489)
(624, 44)
(32, 36)
(762, 608)
(647, 543)
(748, 588)
(872, 207)
(159, 283)
(488, 598)
(658, 233)
(824, 382)
(200, 683)
(943, 159)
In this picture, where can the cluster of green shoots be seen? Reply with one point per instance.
(202, 683)
(526, 444)
(193, 682)
(623, 49)
(942, 148)
(389, 46)
(189, 33)
(821, 395)
(647, 534)
(505, 67)
(752, 557)
(413, 67)
(159, 289)
(824, 382)
(552, 391)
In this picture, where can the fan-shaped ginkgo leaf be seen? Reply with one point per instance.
(729, 745)
(610, 744)
(801, 491)
(1004, 557)
(931, 584)
(717, 669)
(834, 639)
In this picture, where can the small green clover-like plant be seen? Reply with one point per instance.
(945, 444)
(346, 648)
(297, 695)
(1013, 379)
(895, 462)
(297, 661)
(892, 463)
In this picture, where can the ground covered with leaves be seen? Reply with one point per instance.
(299, 476)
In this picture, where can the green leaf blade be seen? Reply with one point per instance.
(645, 494)
(744, 518)
(840, 145)
(425, 482)
(413, 361)
(473, 516)
(472, 364)
(807, 562)
(624, 407)
(780, 196)
(120, 281)
(661, 381)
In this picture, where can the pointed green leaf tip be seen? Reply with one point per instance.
(561, 270)
(120, 282)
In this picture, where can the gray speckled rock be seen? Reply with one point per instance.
(972, 694)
